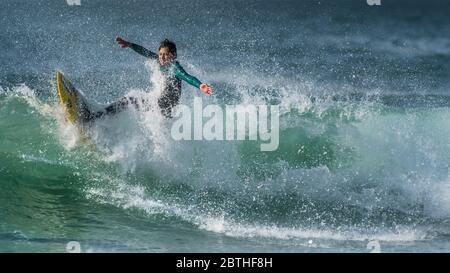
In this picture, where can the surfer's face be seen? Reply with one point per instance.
(165, 56)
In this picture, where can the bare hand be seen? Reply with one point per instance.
(122, 42)
(206, 89)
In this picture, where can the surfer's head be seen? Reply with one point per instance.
(167, 52)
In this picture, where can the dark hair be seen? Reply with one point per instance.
(170, 45)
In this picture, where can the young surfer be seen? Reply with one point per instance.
(172, 72)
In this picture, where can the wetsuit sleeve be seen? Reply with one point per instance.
(143, 51)
(181, 74)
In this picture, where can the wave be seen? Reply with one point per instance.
(359, 166)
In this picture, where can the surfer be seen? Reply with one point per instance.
(172, 72)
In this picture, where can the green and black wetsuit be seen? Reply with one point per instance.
(171, 93)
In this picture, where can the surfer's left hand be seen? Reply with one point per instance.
(206, 89)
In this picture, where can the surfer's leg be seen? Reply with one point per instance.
(167, 101)
(117, 107)
(165, 106)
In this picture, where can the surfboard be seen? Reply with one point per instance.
(75, 106)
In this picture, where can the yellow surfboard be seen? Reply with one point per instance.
(72, 100)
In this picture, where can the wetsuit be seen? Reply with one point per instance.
(171, 93)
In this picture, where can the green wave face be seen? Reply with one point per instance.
(364, 169)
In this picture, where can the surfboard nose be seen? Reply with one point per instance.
(67, 96)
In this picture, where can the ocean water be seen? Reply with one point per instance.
(364, 152)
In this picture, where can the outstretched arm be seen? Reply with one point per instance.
(182, 74)
(139, 49)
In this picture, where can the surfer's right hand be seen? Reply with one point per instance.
(122, 42)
